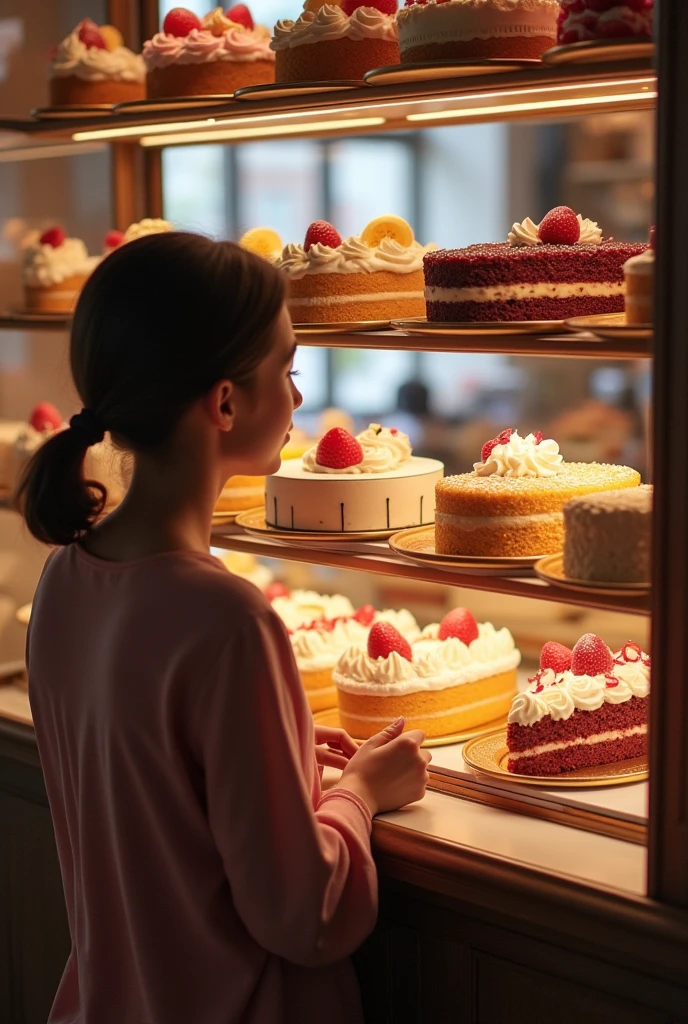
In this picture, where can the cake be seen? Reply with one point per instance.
(511, 505)
(348, 484)
(456, 676)
(333, 41)
(147, 226)
(240, 493)
(460, 29)
(215, 55)
(93, 66)
(608, 536)
(639, 276)
(582, 20)
(583, 708)
(558, 269)
(54, 270)
(377, 275)
(298, 608)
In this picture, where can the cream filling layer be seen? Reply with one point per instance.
(508, 292)
(460, 676)
(580, 741)
(469, 523)
(343, 300)
(432, 714)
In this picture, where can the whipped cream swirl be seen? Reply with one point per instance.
(384, 449)
(147, 226)
(317, 649)
(353, 256)
(200, 46)
(45, 265)
(304, 606)
(522, 457)
(92, 64)
(330, 22)
(526, 233)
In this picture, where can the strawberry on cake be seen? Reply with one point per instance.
(215, 55)
(583, 20)
(336, 41)
(511, 505)
(54, 270)
(347, 484)
(554, 270)
(93, 66)
(456, 676)
(377, 275)
(583, 708)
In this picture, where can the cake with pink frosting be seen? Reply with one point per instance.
(336, 41)
(93, 66)
(584, 20)
(213, 55)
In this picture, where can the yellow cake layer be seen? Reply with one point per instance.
(445, 712)
(321, 692)
(240, 493)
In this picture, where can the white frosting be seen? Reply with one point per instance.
(526, 233)
(304, 606)
(330, 22)
(46, 265)
(383, 451)
(470, 523)
(465, 20)
(642, 264)
(200, 46)
(353, 256)
(508, 292)
(522, 457)
(95, 65)
(147, 226)
(316, 650)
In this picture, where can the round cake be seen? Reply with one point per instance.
(458, 29)
(554, 270)
(348, 484)
(639, 276)
(54, 270)
(511, 505)
(215, 55)
(241, 493)
(456, 676)
(377, 275)
(93, 66)
(582, 20)
(329, 41)
(609, 536)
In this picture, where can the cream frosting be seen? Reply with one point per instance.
(93, 64)
(330, 22)
(383, 451)
(526, 233)
(46, 265)
(353, 256)
(304, 606)
(522, 457)
(316, 650)
(200, 46)
(147, 226)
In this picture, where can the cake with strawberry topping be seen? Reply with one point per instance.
(456, 676)
(214, 55)
(377, 275)
(554, 270)
(93, 66)
(459, 29)
(346, 484)
(54, 270)
(583, 20)
(511, 504)
(336, 41)
(583, 708)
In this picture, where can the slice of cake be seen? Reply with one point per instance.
(377, 275)
(93, 66)
(458, 675)
(582, 20)
(584, 707)
(639, 276)
(460, 29)
(336, 41)
(241, 493)
(348, 484)
(511, 505)
(554, 270)
(215, 55)
(54, 270)
(609, 536)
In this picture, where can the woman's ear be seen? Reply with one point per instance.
(220, 405)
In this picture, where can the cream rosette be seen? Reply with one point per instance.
(522, 457)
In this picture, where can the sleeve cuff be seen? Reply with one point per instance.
(345, 794)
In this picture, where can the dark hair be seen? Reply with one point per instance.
(158, 322)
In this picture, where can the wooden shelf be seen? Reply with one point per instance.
(59, 322)
(383, 561)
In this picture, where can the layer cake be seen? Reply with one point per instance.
(93, 66)
(583, 20)
(609, 536)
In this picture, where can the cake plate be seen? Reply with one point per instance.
(598, 51)
(421, 325)
(551, 570)
(354, 327)
(223, 518)
(432, 70)
(38, 314)
(66, 113)
(331, 719)
(170, 104)
(253, 521)
(418, 545)
(488, 755)
(610, 326)
(283, 90)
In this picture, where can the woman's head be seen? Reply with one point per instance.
(165, 322)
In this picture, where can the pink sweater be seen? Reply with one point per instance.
(207, 879)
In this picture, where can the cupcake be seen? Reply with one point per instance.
(92, 66)
(54, 270)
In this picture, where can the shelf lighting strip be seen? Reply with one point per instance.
(535, 106)
(267, 131)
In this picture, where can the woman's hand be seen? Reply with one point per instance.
(333, 747)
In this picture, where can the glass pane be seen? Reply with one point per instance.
(366, 383)
(189, 207)
(312, 380)
(354, 161)
(278, 186)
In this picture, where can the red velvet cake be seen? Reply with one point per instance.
(582, 20)
(554, 270)
(584, 708)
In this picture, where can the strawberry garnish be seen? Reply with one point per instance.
(560, 227)
(383, 639)
(631, 652)
(113, 239)
(384, 6)
(90, 35)
(556, 657)
(45, 418)
(241, 15)
(591, 657)
(503, 438)
(277, 590)
(323, 232)
(53, 236)
(538, 436)
(338, 449)
(365, 614)
(459, 623)
(179, 22)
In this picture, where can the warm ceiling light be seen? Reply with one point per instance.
(555, 105)
(265, 132)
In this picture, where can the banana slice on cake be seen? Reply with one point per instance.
(387, 226)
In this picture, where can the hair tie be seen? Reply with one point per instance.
(88, 425)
